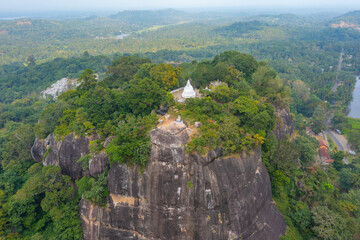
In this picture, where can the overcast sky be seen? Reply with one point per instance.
(43, 5)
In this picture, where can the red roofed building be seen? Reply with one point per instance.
(328, 160)
(324, 152)
(322, 144)
(325, 156)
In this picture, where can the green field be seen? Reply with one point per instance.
(354, 123)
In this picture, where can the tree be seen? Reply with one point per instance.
(87, 80)
(47, 202)
(354, 138)
(307, 148)
(300, 214)
(143, 96)
(242, 62)
(318, 119)
(144, 71)
(231, 135)
(100, 104)
(245, 108)
(329, 225)
(262, 79)
(49, 118)
(285, 156)
(16, 154)
(31, 61)
(338, 160)
(123, 70)
(301, 90)
(85, 54)
(203, 75)
(347, 178)
(221, 94)
(353, 196)
(3, 220)
(94, 190)
(132, 143)
(166, 75)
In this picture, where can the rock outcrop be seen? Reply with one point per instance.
(63, 153)
(98, 164)
(59, 87)
(181, 196)
(284, 123)
(178, 196)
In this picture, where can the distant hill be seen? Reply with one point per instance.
(281, 19)
(349, 20)
(239, 28)
(151, 17)
(310, 20)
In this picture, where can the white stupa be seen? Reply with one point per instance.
(188, 91)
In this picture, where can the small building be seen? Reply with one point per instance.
(323, 144)
(325, 156)
(324, 151)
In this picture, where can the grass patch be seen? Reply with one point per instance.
(84, 161)
(190, 184)
(153, 28)
(46, 153)
(331, 142)
(354, 123)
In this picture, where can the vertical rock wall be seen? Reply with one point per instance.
(63, 153)
(182, 196)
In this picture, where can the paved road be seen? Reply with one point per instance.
(334, 138)
(341, 145)
(339, 139)
(339, 70)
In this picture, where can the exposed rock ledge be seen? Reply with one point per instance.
(65, 153)
(181, 196)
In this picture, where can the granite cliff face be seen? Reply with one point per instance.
(65, 153)
(179, 195)
(182, 196)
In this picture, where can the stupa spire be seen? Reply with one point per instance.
(188, 91)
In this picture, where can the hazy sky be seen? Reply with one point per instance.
(40, 5)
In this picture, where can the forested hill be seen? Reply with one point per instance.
(288, 19)
(350, 18)
(239, 28)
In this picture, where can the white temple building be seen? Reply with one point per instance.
(188, 91)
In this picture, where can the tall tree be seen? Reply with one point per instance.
(166, 75)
